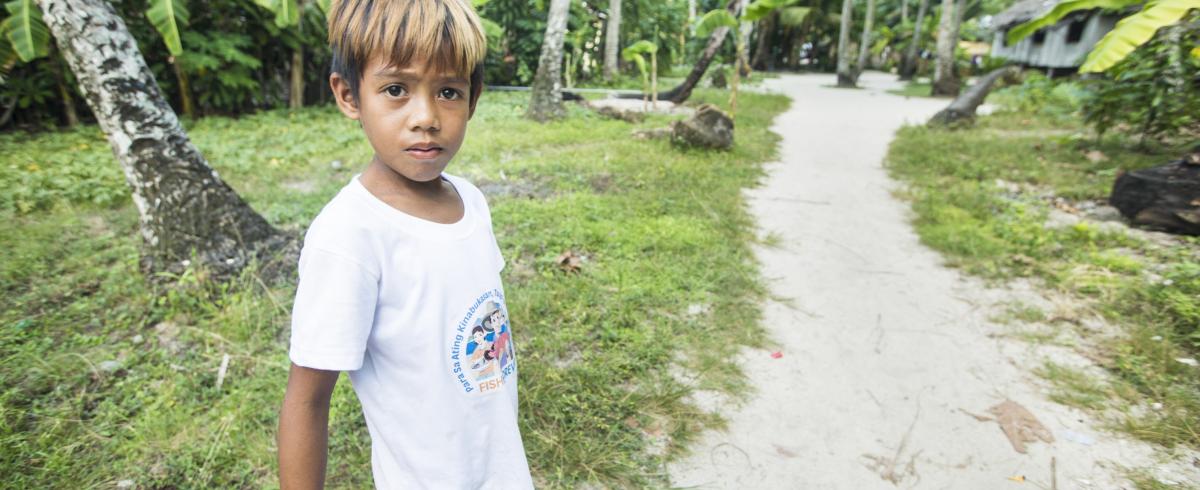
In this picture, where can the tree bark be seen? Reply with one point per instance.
(903, 11)
(762, 51)
(945, 80)
(845, 75)
(908, 67)
(185, 90)
(962, 109)
(296, 88)
(296, 92)
(64, 93)
(546, 101)
(744, 31)
(612, 39)
(186, 211)
(681, 92)
(864, 47)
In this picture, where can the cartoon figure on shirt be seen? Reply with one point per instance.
(482, 342)
(503, 343)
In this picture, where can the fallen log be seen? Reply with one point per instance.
(1166, 197)
(962, 110)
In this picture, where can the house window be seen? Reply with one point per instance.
(1039, 37)
(1075, 31)
(1004, 38)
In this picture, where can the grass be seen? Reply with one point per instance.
(960, 184)
(914, 89)
(107, 377)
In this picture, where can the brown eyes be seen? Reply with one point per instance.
(400, 91)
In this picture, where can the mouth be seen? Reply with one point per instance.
(424, 151)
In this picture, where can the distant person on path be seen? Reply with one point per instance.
(402, 264)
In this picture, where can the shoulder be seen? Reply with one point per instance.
(466, 189)
(345, 227)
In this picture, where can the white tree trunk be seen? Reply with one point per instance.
(864, 48)
(692, 15)
(612, 39)
(908, 66)
(183, 205)
(945, 81)
(845, 78)
(546, 101)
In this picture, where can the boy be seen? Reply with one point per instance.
(400, 265)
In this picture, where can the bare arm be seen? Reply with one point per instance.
(304, 428)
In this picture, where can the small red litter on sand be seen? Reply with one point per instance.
(776, 354)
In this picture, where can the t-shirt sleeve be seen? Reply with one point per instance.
(333, 312)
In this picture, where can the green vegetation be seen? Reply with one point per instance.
(108, 377)
(914, 89)
(982, 196)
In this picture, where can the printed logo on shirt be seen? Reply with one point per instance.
(482, 353)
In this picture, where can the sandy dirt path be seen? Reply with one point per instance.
(888, 357)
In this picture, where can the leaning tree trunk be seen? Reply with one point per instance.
(184, 207)
(945, 80)
(681, 92)
(864, 48)
(762, 52)
(546, 102)
(612, 38)
(962, 110)
(845, 74)
(908, 66)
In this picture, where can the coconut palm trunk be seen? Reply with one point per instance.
(762, 53)
(546, 102)
(186, 211)
(908, 67)
(845, 73)
(864, 47)
(945, 80)
(612, 39)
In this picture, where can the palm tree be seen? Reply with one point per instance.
(845, 74)
(945, 79)
(864, 47)
(546, 101)
(186, 211)
(612, 39)
(908, 65)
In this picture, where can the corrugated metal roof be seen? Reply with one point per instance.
(1022, 11)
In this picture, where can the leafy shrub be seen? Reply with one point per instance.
(1041, 95)
(1152, 92)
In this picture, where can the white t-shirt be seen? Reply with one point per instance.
(414, 310)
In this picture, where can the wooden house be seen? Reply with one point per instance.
(1061, 47)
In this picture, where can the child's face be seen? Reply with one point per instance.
(414, 118)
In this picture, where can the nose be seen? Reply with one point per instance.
(423, 115)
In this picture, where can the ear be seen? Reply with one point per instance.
(344, 95)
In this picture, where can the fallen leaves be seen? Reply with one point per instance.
(1020, 426)
(569, 261)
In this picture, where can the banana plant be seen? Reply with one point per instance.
(1130, 33)
(167, 16)
(635, 54)
(27, 34)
